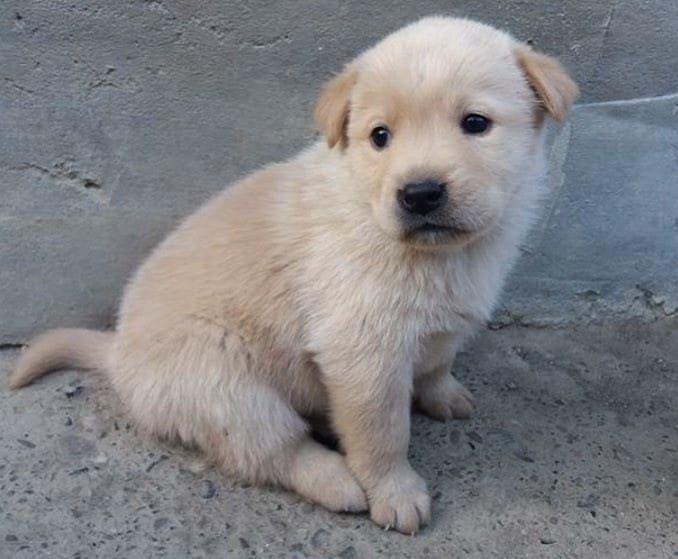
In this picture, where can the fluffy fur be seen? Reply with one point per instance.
(304, 290)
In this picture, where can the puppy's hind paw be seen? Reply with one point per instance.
(445, 398)
(323, 477)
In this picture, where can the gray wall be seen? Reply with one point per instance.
(117, 118)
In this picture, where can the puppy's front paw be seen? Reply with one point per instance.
(444, 397)
(401, 501)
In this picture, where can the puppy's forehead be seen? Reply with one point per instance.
(443, 56)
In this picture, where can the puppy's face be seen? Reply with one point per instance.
(438, 123)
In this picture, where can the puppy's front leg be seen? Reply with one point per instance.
(370, 396)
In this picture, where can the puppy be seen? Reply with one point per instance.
(342, 282)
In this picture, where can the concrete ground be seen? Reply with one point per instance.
(573, 453)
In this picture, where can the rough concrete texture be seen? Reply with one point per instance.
(120, 117)
(573, 453)
(607, 242)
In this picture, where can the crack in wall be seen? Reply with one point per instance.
(61, 172)
(18, 87)
(603, 42)
(227, 33)
(268, 43)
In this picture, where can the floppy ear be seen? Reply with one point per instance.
(554, 88)
(332, 107)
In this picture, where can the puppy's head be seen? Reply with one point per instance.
(439, 123)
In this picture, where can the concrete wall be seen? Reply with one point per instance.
(117, 118)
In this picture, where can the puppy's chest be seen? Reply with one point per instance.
(438, 305)
(439, 316)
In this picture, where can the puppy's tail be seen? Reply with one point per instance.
(59, 349)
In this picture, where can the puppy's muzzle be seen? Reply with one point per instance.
(421, 198)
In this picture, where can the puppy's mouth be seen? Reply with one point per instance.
(435, 232)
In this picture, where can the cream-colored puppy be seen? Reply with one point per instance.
(343, 281)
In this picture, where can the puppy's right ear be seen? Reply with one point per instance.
(332, 108)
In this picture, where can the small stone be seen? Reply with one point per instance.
(319, 539)
(160, 523)
(100, 458)
(588, 503)
(73, 391)
(244, 543)
(521, 454)
(209, 489)
(68, 422)
(474, 436)
(349, 553)
(27, 444)
(547, 541)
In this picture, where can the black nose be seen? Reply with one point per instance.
(422, 197)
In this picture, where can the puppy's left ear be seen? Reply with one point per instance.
(332, 108)
(553, 86)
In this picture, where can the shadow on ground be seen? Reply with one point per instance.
(574, 453)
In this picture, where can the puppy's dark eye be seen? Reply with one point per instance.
(380, 137)
(475, 124)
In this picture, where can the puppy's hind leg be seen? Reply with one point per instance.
(257, 435)
(322, 476)
(266, 441)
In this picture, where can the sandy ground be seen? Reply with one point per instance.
(573, 453)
